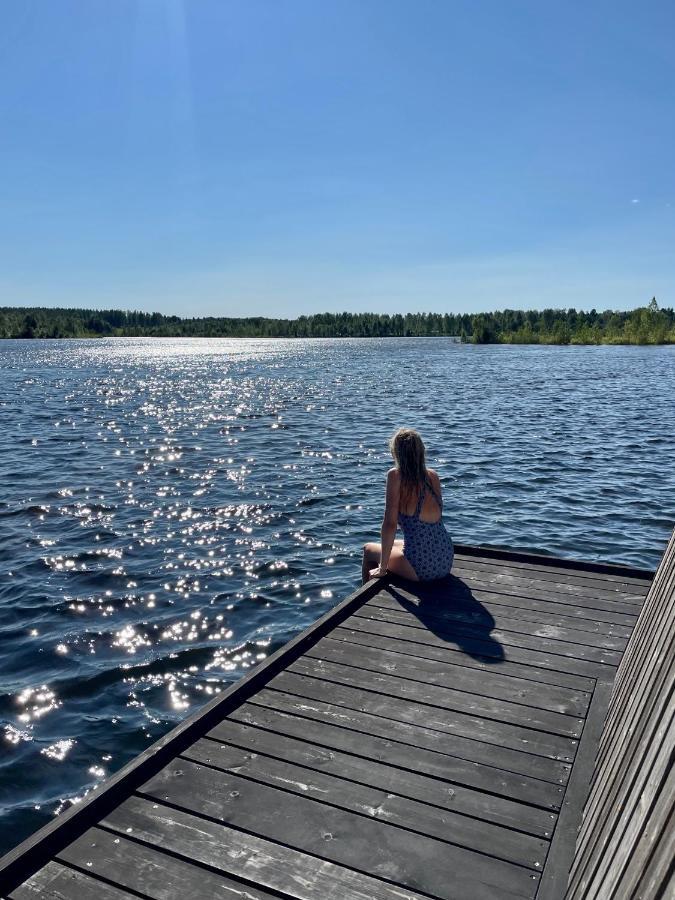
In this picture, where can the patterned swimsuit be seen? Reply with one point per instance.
(426, 545)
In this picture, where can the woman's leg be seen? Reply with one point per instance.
(399, 565)
(371, 558)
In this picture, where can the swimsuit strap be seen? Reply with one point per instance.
(434, 494)
(420, 501)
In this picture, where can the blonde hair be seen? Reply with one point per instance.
(407, 450)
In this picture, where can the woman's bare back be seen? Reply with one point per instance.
(430, 511)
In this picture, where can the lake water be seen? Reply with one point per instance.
(172, 511)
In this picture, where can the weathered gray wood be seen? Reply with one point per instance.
(646, 676)
(626, 601)
(503, 636)
(58, 882)
(512, 587)
(574, 572)
(368, 845)
(656, 836)
(451, 614)
(562, 582)
(160, 875)
(371, 801)
(656, 875)
(650, 649)
(642, 775)
(631, 802)
(496, 778)
(399, 685)
(366, 634)
(381, 764)
(271, 865)
(577, 616)
(648, 711)
(561, 854)
(475, 790)
(512, 740)
(466, 641)
(542, 612)
(491, 683)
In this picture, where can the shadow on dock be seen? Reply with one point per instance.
(449, 610)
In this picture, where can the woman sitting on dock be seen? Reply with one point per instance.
(413, 501)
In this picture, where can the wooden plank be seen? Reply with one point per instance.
(646, 774)
(58, 882)
(590, 609)
(550, 751)
(500, 781)
(492, 648)
(585, 595)
(397, 769)
(651, 644)
(584, 618)
(366, 635)
(647, 710)
(531, 694)
(273, 866)
(395, 684)
(589, 581)
(574, 571)
(368, 845)
(659, 611)
(532, 641)
(657, 872)
(561, 853)
(510, 555)
(472, 785)
(610, 601)
(493, 605)
(157, 875)
(33, 853)
(647, 671)
(368, 800)
(631, 799)
(430, 614)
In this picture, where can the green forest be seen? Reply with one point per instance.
(645, 325)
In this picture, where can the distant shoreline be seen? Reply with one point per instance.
(642, 326)
(344, 337)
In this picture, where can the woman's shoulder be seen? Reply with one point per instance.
(433, 478)
(393, 474)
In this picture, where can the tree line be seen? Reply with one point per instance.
(645, 325)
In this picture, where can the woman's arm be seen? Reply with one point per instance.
(390, 520)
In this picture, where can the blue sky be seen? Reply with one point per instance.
(280, 157)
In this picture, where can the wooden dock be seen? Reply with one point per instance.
(416, 742)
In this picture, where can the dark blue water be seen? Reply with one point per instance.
(174, 510)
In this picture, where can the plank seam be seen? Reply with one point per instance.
(558, 656)
(233, 743)
(318, 743)
(449, 706)
(488, 661)
(459, 690)
(198, 864)
(363, 815)
(95, 876)
(207, 818)
(443, 734)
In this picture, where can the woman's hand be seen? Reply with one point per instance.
(377, 572)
